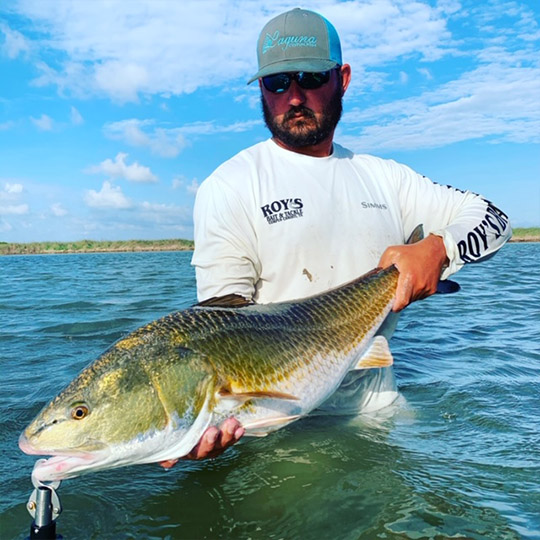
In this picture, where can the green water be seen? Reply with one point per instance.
(457, 457)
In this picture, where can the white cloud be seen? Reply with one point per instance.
(169, 142)
(4, 126)
(119, 169)
(44, 122)
(13, 188)
(496, 100)
(14, 209)
(425, 73)
(110, 197)
(190, 186)
(143, 133)
(10, 196)
(211, 128)
(121, 80)
(145, 47)
(171, 216)
(193, 187)
(15, 43)
(76, 117)
(5, 226)
(58, 210)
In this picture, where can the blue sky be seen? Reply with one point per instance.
(112, 113)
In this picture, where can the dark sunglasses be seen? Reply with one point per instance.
(280, 82)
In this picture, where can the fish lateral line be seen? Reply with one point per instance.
(257, 394)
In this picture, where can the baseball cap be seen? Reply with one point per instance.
(297, 40)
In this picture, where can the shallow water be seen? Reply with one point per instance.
(459, 457)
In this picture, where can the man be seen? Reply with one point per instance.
(298, 214)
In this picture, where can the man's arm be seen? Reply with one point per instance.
(420, 267)
(462, 228)
(225, 256)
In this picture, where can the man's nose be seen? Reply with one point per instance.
(295, 95)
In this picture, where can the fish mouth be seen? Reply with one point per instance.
(27, 448)
(63, 464)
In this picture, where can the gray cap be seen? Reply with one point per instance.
(298, 40)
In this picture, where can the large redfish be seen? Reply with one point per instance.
(151, 395)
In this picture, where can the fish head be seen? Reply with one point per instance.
(122, 409)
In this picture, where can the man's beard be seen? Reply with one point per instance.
(308, 130)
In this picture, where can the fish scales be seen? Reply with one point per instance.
(150, 396)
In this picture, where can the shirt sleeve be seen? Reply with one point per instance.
(225, 255)
(472, 228)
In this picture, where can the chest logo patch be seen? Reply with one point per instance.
(282, 209)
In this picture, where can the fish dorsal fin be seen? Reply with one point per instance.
(229, 300)
(377, 356)
(416, 235)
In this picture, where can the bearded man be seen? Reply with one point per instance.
(298, 214)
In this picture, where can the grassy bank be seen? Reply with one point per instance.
(531, 234)
(92, 246)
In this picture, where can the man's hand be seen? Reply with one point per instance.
(213, 442)
(420, 266)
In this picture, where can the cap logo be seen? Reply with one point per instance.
(271, 41)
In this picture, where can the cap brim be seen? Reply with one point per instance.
(292, 65)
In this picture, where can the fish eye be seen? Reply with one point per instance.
(79, 412)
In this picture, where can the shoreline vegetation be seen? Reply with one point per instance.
(94, 246)
(530, 234)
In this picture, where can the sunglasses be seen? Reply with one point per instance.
(280, 82)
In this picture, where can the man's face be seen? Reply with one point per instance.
(301, 118)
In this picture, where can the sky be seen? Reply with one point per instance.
(112, 113)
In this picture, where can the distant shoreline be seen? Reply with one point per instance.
(531, 234)
(92, 246)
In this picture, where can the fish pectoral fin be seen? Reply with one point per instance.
(377, 356)
(253, 429)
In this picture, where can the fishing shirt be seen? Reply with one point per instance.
(273, 225)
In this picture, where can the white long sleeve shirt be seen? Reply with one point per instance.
(275, 225)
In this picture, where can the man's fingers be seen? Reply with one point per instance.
(213, 442)
(169, 463)
(208, 442)
(403, 293)
(229, 432)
